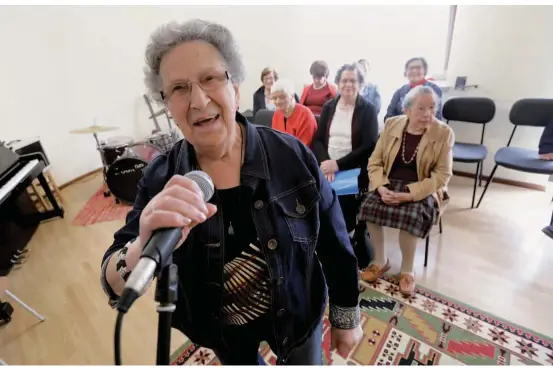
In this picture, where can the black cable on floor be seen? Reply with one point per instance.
(117, 337)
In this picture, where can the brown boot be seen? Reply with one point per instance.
(373, 272)
(406, 284)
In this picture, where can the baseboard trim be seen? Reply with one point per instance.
(505, 181)
(81, 177)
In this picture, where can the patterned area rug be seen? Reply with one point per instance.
(426, 329)
(101, 209)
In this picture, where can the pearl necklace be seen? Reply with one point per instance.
(403, 148)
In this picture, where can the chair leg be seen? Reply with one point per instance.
(480, 174)
(441, 228)
(426, 251)
(24, 305)
(490, 179)
(477, 176)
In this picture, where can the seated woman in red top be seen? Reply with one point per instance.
(314, 96)
(289, 116)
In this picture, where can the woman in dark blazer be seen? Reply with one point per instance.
(262, 97)
(345, 138)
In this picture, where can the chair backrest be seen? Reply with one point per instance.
(480, 110)
(532, 112)
(264, 117)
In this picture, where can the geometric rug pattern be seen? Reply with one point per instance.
(425, 329)
(101, 209)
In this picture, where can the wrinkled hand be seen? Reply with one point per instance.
(329, 177)
(179, 205)
(401, 197)
(329, 166)
(344, 340)
(548, 156)
(388, 197)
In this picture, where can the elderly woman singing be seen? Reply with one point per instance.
(289, 116)
(408, 172)
(253, 261)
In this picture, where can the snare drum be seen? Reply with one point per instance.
(114, 147)
(163, 140)
(123, 175)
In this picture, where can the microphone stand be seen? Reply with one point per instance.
(166, 296)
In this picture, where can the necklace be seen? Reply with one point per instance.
(403, 148)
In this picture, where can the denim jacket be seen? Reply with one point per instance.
(299, 223)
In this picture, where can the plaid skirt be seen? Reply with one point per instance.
(416, 218)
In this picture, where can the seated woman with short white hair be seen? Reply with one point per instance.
(409, 170)
(291, 117)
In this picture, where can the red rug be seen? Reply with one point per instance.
(101, 209)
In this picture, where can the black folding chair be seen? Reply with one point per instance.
(264, 117)
(475, 110)
(529, 113)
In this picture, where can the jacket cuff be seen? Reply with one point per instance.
(344, 317)
(113, 297)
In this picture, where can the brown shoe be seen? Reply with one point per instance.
(373, 272)
(406, 284)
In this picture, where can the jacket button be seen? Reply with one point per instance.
(280, 281)
(280, 312)
(258, 204)
(272, 244)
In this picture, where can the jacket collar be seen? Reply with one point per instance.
(432, 134)
(255, 157)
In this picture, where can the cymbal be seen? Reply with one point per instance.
(94, 129)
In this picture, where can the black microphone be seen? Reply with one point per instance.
(158, 248)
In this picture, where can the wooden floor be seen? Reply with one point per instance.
(494, 258)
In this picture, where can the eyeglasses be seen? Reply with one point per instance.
(181, 91)
(345, 81)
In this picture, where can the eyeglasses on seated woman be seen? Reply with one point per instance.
(345, 138)
(408, 174)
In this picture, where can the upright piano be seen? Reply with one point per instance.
(19, 217)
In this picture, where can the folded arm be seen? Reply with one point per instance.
(440, 174)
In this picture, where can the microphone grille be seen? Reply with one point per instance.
(203, 180)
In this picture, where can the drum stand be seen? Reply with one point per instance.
(104, 164)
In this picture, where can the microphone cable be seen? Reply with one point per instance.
(117, 337)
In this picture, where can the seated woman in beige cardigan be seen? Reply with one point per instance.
(409, 170)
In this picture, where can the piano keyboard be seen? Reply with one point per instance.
(8, 187)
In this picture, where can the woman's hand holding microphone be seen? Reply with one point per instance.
(179, 205)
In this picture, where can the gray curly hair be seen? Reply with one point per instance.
(172, 34)
(415, 92)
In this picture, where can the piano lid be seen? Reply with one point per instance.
(8, 160)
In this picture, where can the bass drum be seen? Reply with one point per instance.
(114, 147)
(123, 175)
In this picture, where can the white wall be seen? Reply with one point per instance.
(63, 66)
(507, 51)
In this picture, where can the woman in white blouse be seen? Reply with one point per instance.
(346, 137)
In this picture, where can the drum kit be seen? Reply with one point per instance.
(124, 159)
